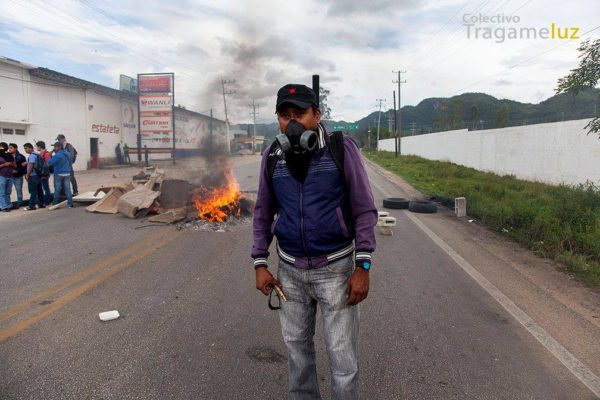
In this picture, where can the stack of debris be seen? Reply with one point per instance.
(167, 201)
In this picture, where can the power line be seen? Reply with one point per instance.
(448, 40)
(451, 41)
(116, 19)
(461, 48)
(118, 40)
(526, 60)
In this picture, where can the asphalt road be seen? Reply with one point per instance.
(194, 327)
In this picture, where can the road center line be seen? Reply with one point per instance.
(69, 297)
(76, 278)
(577, 368)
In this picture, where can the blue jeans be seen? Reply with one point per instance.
(46, 190)
(59, 182)
(5, 190)
(325, 287)
(36, 196)
(18, 182)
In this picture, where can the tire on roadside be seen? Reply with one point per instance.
(422, 206)
(395, 203)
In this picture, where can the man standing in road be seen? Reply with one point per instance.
(7, 165)
(34, 180)
(18, 172)
(61, 163)
(73, 156)
(314, 197)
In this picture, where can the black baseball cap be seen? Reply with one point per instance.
(298, 95)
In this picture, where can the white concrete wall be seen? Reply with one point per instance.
(559, 152)
(45, 109)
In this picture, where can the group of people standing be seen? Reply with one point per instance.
(122, 154)
(35, 170)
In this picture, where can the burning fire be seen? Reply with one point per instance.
(216, 204)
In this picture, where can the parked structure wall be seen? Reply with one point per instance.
(555, 153)
(33, 108)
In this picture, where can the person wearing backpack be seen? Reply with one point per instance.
(73, 154)
(7, 165)
(45, 155)
(314, 197)
(33, 178)
(61, 164)
(18, 172)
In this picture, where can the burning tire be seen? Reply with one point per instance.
(395, 203)
(424, 207)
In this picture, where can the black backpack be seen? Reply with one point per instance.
(41, 167)
(334, 142)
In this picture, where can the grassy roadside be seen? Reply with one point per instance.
(558, 222)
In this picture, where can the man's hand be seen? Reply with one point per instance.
(27, 177)
(264, 280)
(358, 287)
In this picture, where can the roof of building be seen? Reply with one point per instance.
(67, 80)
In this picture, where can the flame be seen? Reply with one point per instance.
(216, 204)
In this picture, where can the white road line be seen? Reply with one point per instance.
(577, 368)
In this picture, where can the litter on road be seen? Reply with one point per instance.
(109, 315)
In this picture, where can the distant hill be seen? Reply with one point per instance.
(468, 110)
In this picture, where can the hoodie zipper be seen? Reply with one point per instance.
(302, 226)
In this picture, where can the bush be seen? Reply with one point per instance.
(559, 222)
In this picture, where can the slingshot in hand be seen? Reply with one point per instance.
(280, 296)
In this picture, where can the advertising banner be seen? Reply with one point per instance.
(156, 114)
(156, 103)
(155, 83)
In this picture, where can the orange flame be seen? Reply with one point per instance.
(215, 205)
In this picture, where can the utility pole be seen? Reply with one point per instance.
(399, 118)
(395, 126)
(379, 120)
(254, 107)
(210, 135)
(223, 83)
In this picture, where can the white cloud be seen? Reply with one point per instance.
(354, 45)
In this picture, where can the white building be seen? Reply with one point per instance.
(38, 104)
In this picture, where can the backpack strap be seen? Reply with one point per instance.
(275, 154)
(335, 143)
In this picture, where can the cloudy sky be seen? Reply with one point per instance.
(354, 45)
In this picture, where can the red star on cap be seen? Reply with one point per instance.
(292, 90)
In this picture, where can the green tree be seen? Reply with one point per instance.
(585, 75)
(502, 116)
(325, 109)
(474, 116)
(455, 117)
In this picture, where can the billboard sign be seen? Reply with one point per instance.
(155, 83)
(127, 84)
(158, 123)
(156, 103)
(156, 114)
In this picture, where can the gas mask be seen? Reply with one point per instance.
(298, 145)
(297, 140)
